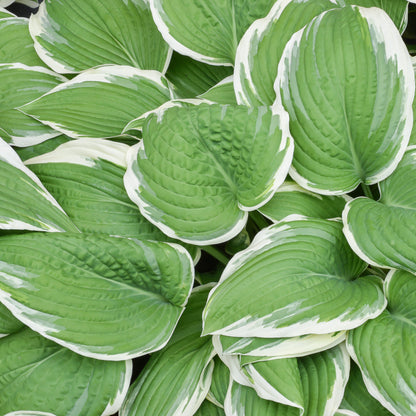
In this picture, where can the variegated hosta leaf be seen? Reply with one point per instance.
(221, 93)
(291, 199)
(340, 66)
(280, 347)
(25, 204)
(99, 102)
(16, 45)
(261, 47)
(200, 169)
(219, 383)
(103, 297)
(397, 9)
(207, 32)
(3, 12)
(8, 323)
(209, 409)
(77, 35)
(28, 3)
(97, 202)
(384, 349)
(29, 413)
(297, 277)
(191, 77)
(393, 244)
(47, 146)
(357, 399)
(176, 380)
(17, 128)
(38, 375)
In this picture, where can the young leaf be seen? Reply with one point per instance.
(346, 130)
(200, 168)
(77, 35)
(297, 277)
(99, 102)
(37, 374)
(103, 297)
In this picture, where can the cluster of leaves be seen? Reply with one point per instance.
(275, 136)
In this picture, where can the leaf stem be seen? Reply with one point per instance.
(367, 191)
(259, 220)
(217, 254)
(377, 271)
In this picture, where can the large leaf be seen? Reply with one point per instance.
(99, 102)
(15, 79)
(76, 35)
(176, 380)
(261, 47)
(384, 350)
(187, 25)
(332, 80)
(103, 297)
(47, 146)
(16, 45)
(297, 277)
(199, 169)
(38, 375)
(394, 244)
(25, 204)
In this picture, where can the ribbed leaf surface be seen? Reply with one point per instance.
(297, 277)
(199, 168)
(383, 348)
(8, 323)
(176, 380)
(332, 81)
(37, 374)
(103, 297)
(77, 35)
(186, 25)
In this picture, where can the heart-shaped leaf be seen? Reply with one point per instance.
(102, 297)
(346, 130)
(199, 169)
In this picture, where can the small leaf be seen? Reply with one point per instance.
(221, 93)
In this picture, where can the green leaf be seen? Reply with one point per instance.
(392, 245)
(280, 347)
(5, 13)
(180, 374)
(191, 77)
(8, 323)
(261, 47)
(25, 204)
(383, 348)
(291, 199)
(17, 128)
(99, 102)
(221, 93)
(209, 409)
(16, 45)
(297, 277)
(187, 25)
(103, 297)
(77, 35)
(357, 399)
(47, 146)
(37, 374)
(200, 168)
(346, 130)
(219, 384)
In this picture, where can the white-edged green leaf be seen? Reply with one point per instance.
(4, 13)
(191, 77)
(47, 146)
(209, 409)
(8, 323)
(103, 297)
(99, 102)
(25, 204)
(77, 35)
(199, 169)
(16, 45)
(332, 80)
(176, 380)
(17, 128)
(38, 375)
(297, 277)
(394, 244)
(221, 93)
(260, 49)
(187, 25)
(29, 413)
(219, 383)
(290, 198)
(357, 399)
(280, 347)
(384, 350)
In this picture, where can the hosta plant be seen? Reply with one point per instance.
(208, 208)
